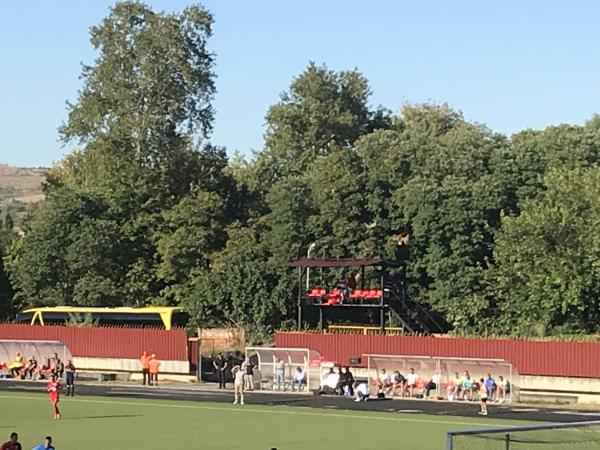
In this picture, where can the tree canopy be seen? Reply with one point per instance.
(502, 229)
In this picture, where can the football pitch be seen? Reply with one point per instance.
(98, 423)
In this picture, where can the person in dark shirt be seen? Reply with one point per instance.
(220, 364)
(70, 378)
(342, 382)
(31, 368)
(13, 444)
(349, 385)
(248, 369)
(58, 367)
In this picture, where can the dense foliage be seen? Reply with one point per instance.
(502, 229)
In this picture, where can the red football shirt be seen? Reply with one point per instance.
(53, 389)
(11, 446)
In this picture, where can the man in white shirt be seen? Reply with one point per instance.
(362, 392)
(238, 384)
(384, 382)
(411, 381)
(329, 382)
(299, 379)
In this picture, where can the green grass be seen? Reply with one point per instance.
(101, 423)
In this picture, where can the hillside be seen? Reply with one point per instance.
(19, 187)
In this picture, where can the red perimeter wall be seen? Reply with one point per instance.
(547, 358)
(106, 342)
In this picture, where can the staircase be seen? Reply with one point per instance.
(408, 313)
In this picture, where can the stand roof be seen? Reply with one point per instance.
(306, 262)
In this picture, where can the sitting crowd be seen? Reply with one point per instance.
(467, 388)
(340, 382)
(32, 370)
(457, 388)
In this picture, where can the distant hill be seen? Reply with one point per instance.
(20, 187)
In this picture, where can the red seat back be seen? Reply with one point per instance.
(356, 293)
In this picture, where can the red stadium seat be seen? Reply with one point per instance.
(356, 293)
(373, 294)
(334, 297)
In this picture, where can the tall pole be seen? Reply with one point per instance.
(299, 298)
(311, 247)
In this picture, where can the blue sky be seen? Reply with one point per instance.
(510, 64)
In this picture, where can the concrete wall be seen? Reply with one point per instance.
(85, 363)
(560, 389)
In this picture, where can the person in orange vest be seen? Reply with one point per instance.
(153, 365)
(144, 360)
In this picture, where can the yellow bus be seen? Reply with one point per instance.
(158, 316)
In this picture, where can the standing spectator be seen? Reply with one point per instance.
(70, 378)
(248, 369)
(31, 368)
(483, 396)
(299, 379)
(220, 364)
(280, 375)
(349, 386)
(144, 365)
(153, 366)
(47, 445)
(238, 384)
(13, 444)
(339, 389)
(398, 381)
(411, 381)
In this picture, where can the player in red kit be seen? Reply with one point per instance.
(13, 444)
(54, 388)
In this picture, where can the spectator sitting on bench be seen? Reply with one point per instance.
(57, 366)
(490, 385)
(468, 386)
(362, 391)
(502, 388)
(454, 387)
(44, 369)
(411, 381)
(383, 382)
(31, 368)
(16, 367)
(329, 382)
(299, 379)
(398, 381)
(432, 384)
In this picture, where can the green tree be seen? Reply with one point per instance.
(243, 288)
(322, 110)
(143, 109)
(71, 250)
(546, 259)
